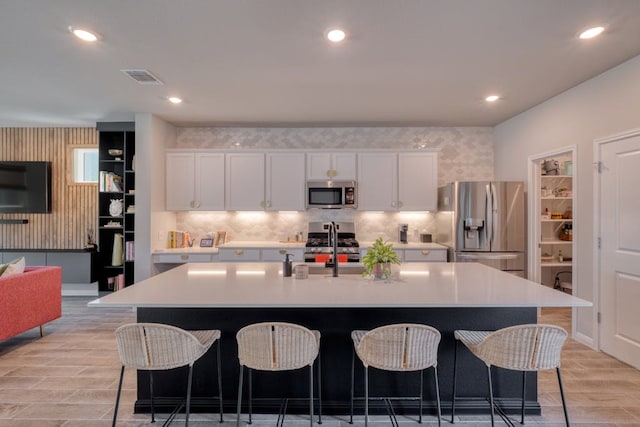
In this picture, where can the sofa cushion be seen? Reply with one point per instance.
(14, 267)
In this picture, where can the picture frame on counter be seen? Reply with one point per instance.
(221, 237)
(206, 243)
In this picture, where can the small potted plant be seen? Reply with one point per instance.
(378, 259)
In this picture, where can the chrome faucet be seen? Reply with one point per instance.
(333, 239)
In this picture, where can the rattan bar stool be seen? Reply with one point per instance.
(400, 347)
(278, 346)
(526, 348)
(154, 347)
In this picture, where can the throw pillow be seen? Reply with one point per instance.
(14, 267)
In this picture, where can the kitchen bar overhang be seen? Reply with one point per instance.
(447, 296)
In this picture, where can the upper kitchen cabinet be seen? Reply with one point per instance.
(418, 181)
(338, 166)
(377, 181)
(285, 183)
(397, 181)
(245, 182)
(195, 181)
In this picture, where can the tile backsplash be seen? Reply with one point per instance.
(464, 153)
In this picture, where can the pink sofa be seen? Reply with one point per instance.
(30, 299)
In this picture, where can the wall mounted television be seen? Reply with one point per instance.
(25, 187)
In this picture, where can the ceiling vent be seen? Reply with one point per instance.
(144, 77)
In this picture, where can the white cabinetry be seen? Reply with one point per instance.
(245, 181)
(338, 166)
(285, 183)
(377, 181)
(194, 181)
(239, 254)
(425, 255)
(275, 254)
(418, 181)
(397, 181)
(251, 253)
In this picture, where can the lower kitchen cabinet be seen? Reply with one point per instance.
(277, 254)
(424, 255)
(238, 255)
(183, 258)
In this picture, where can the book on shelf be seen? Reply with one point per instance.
(109, 182)
(178, 239)
(129, 253)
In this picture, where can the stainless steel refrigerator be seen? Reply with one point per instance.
(484, 222)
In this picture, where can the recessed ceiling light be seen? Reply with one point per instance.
(336, 35)
(83, 34)
(492, 98)
(174, 100)
(591, 33)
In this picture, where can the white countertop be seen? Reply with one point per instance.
(192, 250)
(274, 244)
(227, 285)
(267, 244)
(410, 245)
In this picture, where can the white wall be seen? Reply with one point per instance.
(153, 136)
(605, 105)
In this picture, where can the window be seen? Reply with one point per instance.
(84, 165)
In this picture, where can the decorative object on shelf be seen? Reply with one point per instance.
(221, 237)
(378, 259)
(206, 243)
(550, 167)
(91, 243)
(546, 257)
(113, 224)
(115, 152)
(115, 207)
(117, 256)
(556, 215)
(568, 168)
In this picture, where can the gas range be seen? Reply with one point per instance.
(318, 244)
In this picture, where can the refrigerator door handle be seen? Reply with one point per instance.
(488, 256)
(488, 229)
(494, 214)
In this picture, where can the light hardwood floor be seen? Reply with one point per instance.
(69, 379)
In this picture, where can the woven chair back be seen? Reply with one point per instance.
(524, 347)
(276, 346)
(400, 347)
(154, 346)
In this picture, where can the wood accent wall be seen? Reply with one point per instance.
(73, 206)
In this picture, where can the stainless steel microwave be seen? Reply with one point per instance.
(332, 194)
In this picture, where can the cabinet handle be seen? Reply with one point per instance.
(268, 204)
(184, 257)
(425, 252)
(239, 251)
(400, 204)
(197, 204)
(282, 251)
(393, 204)
(262, 203)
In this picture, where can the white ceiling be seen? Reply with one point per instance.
(265, 62)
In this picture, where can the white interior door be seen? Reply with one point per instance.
(620, 248)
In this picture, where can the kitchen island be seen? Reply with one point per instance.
(228, 296)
